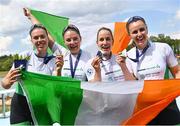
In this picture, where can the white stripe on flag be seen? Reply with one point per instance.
(118, 87)
(108, 103)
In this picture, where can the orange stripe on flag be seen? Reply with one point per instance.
(156, 95)
(121, 37)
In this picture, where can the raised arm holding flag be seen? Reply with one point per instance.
(74, 62)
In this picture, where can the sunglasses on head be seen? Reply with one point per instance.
(134, 19)
(71, 27)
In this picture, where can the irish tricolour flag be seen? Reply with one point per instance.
(54, 99)
(55, 25)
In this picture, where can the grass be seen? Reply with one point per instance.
(3, 73)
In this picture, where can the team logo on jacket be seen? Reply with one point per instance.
(89, 71)
(110, 79)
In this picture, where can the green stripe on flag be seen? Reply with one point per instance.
(54, 24)
(44, 92)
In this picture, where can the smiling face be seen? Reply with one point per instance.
(138, 32)
(72, 40)
(39, 39)
(105, 41)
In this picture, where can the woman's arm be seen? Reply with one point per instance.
(28, 14)
(33, 20)
(175, 71)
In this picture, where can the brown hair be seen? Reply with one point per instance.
(73, 28)
(37, 26)
(134, 19)
(107, 29)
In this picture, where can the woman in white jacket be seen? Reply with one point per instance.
(39, 62)
(148, 61)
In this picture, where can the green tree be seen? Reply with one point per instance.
(174, 43)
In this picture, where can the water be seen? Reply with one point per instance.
(4, 122)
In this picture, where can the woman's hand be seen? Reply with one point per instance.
(10, 78)
(59, 64)
(27, 12)
(120, 59)
(96, 64)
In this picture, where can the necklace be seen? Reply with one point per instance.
(139, 55)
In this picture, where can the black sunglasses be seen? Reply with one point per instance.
(37, 26)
